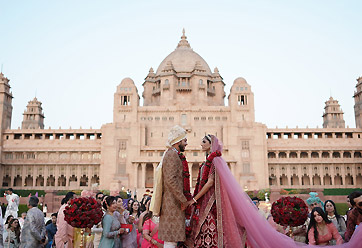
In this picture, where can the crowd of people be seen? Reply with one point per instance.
(135, 226)
(217, 214)
(325, 226)
(131, 225)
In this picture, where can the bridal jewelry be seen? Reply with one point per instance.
(156, 219)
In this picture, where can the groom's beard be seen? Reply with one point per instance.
(182, 148)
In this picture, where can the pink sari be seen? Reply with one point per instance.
(240, 215)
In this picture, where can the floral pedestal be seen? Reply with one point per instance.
(83, 238)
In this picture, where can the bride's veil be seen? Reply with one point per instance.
(239, 212)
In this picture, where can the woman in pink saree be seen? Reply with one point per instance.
(223, 215)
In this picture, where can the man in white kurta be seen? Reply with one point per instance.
(13, 204)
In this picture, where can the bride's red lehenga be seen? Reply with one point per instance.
(208, 216)
(204, 219)
(225, 215)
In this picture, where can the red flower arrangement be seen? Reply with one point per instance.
(83, 212)
(289, 211)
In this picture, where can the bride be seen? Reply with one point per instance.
(210, 208)
(223, 215)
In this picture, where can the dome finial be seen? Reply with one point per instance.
(183, 42)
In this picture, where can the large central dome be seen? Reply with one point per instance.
(183, 59)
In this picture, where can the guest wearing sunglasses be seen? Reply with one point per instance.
(355, 215)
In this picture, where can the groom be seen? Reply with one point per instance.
(175, 188)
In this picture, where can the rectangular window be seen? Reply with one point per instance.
(242, 100)
(245, 145)
(123, 145)
(126, 100)
(246, 167)
(183, 119)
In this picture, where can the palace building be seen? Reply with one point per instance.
(184, 91)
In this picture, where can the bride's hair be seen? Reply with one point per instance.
(208, 137)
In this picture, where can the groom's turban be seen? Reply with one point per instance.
(176, 134)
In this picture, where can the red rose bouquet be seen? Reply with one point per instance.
(289, 211)
(84, 212)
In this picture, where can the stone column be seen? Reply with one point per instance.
(154, 173)
(277, 174)
(143, 184)
(67, 176)
(343, 174)
(232, 168)
(300, 179)
(135, 176)
(333, 173)
(34, 176)
(2, 176)
(23, 175)
(56, 175)
(78, 174)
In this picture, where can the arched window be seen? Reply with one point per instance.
(201, 82)
(167, 82)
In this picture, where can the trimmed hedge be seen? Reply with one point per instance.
(341, 208)
(24, 192)
(340, 191)
(335, 191)
(64, 192)
(294, 191)
(24, 208)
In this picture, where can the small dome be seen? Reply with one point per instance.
(183, 59)
(240, 80)
(127, 82)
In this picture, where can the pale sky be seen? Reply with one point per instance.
(73, 54)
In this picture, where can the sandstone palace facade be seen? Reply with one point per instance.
(183, 90)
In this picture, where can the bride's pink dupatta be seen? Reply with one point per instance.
(239, 212)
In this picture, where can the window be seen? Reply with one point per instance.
(242, 100)
(195, 154)
(246, 167)
(245, 145)
(201, 82)
(167, 82)
(183, 119)
(126, 100)
(123, 145)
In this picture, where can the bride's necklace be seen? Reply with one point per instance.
(156, 219)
